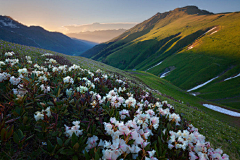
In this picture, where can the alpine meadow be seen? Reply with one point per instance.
(167, 88)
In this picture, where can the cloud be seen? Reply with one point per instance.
(97, 26)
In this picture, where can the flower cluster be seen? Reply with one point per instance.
(4, 76)
(195, 142)
(121, 121)
(40, 115)
(10, 54)
(74, 129)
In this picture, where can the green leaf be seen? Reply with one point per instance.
(54, 134)
(86, 155)
(59, 141)
(76, 146)
(15, 138)
(156, 149)
(67, 152)
(49, 146)
(67, 141)
(29, 137)
(3, 133)
(10, 132)
(96, 156)
(75, 157)
(44, 150)
(38, 130)
(20, 133)
(74, 139)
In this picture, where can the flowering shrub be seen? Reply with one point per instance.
(63, 111)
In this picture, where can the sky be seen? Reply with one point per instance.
(57, 15)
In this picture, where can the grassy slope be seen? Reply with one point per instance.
(214, 55)
(216, 130)
(166, 38)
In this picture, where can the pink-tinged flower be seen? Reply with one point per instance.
(123, 146)
(101, 143)
(151, 153)
(135, 149)
(91, 142)
(131, 101)
(74, 129)
(192, 156)
(150, 112)
(113, 120)
(155, 122)
(144, 144)
(225, 157)
(117, 101)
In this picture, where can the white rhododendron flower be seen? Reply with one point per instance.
(69, 92)
(45, 89)
(9, 54)
(82, 89)
(42, 78)
(4, 76)
(52, 61)
(124, 113)
(131, 101)
(74, 129)
(22, 71)
(12, 62)
(28, 58)
(68, 80)
(38, 115)
(15, 81)
(91, 143)
(2, 63)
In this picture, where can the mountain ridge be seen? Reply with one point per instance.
(36, 36)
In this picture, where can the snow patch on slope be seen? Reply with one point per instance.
(222, 110)
(154, 66)
(164, 74)
(8, 23)
(201, 85)
(232, 77)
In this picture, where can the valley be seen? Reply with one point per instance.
(167, 88)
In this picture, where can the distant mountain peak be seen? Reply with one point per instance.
(7, 21)
(192, 10)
